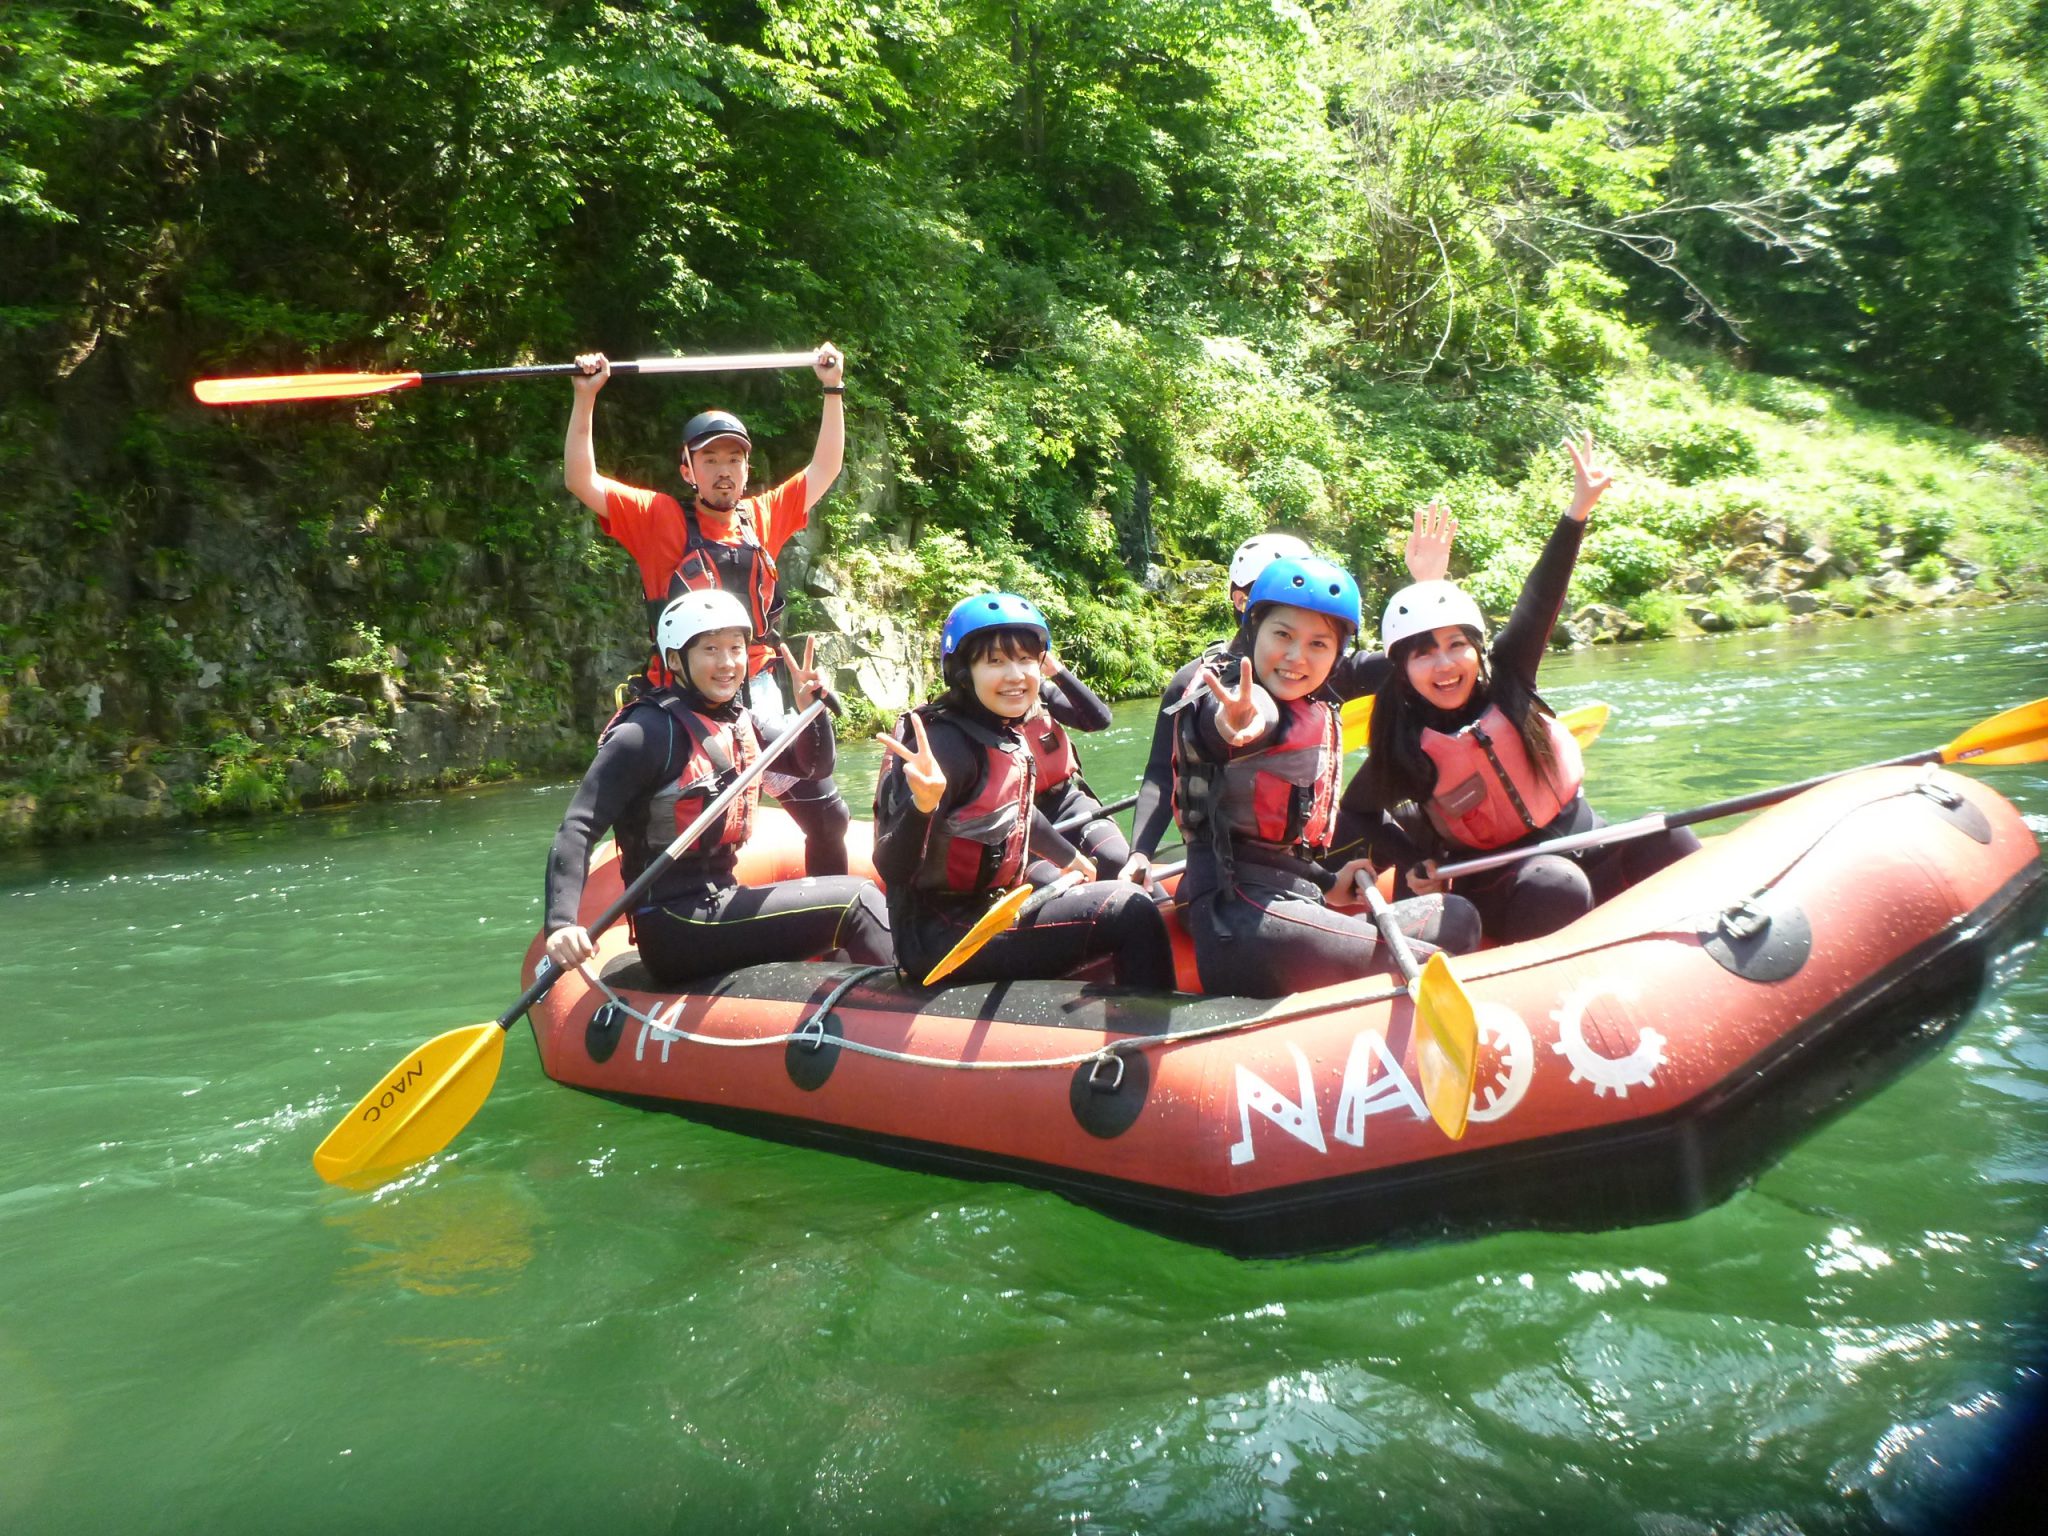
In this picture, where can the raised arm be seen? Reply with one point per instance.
(830, 454)
(579, 458)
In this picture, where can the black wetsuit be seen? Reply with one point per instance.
(1102, 918)
(1356, 674)
(1266, 931)
(697, 920)
(1542, 894)
(1074, 806)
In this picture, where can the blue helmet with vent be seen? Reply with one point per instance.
(991, 610)
(1309, 582)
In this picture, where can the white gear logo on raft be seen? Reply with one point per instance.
(1607, 1074)
(1515, 1052)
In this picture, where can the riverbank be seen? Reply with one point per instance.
(198, 652)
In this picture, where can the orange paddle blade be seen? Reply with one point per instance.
(300, 386)
(994, 921)
(2020, 735)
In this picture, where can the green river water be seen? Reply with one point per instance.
(590, 1318)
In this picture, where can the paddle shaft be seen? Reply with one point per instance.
(1647, 826)
(550, 974)
(1397, 941)
(737, 362)
(1085, 817)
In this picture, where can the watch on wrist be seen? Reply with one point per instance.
(835, 389)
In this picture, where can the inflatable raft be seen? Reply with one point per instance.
(1638, 1065)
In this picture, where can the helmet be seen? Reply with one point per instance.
(1256, 552)
(705, 425)
(1312, 583)
(697, 613)
(991, 610)
(1425, 606)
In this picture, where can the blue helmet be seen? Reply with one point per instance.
(991, 610)
(1307, 582)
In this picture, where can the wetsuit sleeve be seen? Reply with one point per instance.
(650, 525)
(901, 829)
(1073, 703)
(812, 755)
(1526, 636)
(1046, 842)
(1359, 673)
(632, 759)
(1155, 808)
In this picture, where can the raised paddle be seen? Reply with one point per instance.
(350, 386)
(1085, 817)
(428, 1097)
(2020, 735)
(998, 919)
(1447, 1051)
(1585, 722)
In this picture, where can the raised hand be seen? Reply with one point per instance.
(805, 683)
(1429, 546)
(1237, 722)
(921, 769)
(1048, 665)
(1137, 870)
(592, 370)
(829, 365)
(1590, 479)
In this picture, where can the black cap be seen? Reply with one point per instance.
(706, 425)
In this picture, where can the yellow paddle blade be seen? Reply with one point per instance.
(299, 386)
(1586, 722)
(418, 1107)
(2018, 736)
(994, 921)
(1447, 1050)
(1354, 718)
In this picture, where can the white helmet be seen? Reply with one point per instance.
(697, 613)
(1260, 551)
(1426, 606)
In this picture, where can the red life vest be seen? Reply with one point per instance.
(979, 846)
(719, 751)
(1052, 751)
(745, 569)
(1283, 795)
(1489, 793)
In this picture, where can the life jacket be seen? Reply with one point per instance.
(745, 569)
(979, 846)
(1283, 796)
(1489, 793)
(719, 751)
(1052, 751)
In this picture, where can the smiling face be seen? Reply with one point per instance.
(1294, 650)
(719, 471)
(1004, 672)
(1443, 666)
(716, 663)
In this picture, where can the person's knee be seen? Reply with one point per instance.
(1458, 928)
(864, 933)
(1549, 892)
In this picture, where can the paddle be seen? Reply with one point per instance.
(1009, 909)
(2019, 735)
(1447, 1053)
(1584, 722)
(1085, 817)
(427, 1098)
(350, 386)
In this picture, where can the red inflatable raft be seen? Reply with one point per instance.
(1638, 1065)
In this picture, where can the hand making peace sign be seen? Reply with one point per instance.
(804, 682)
(920, 768)
(1237, 722)
(1590, 479)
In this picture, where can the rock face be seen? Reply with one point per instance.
(869, 654)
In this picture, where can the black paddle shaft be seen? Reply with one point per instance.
(1764, 797)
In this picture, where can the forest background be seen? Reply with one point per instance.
(1119, 281)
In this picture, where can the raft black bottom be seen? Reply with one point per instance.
(1658, 1170)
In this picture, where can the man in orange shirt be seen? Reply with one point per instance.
(723, 538)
